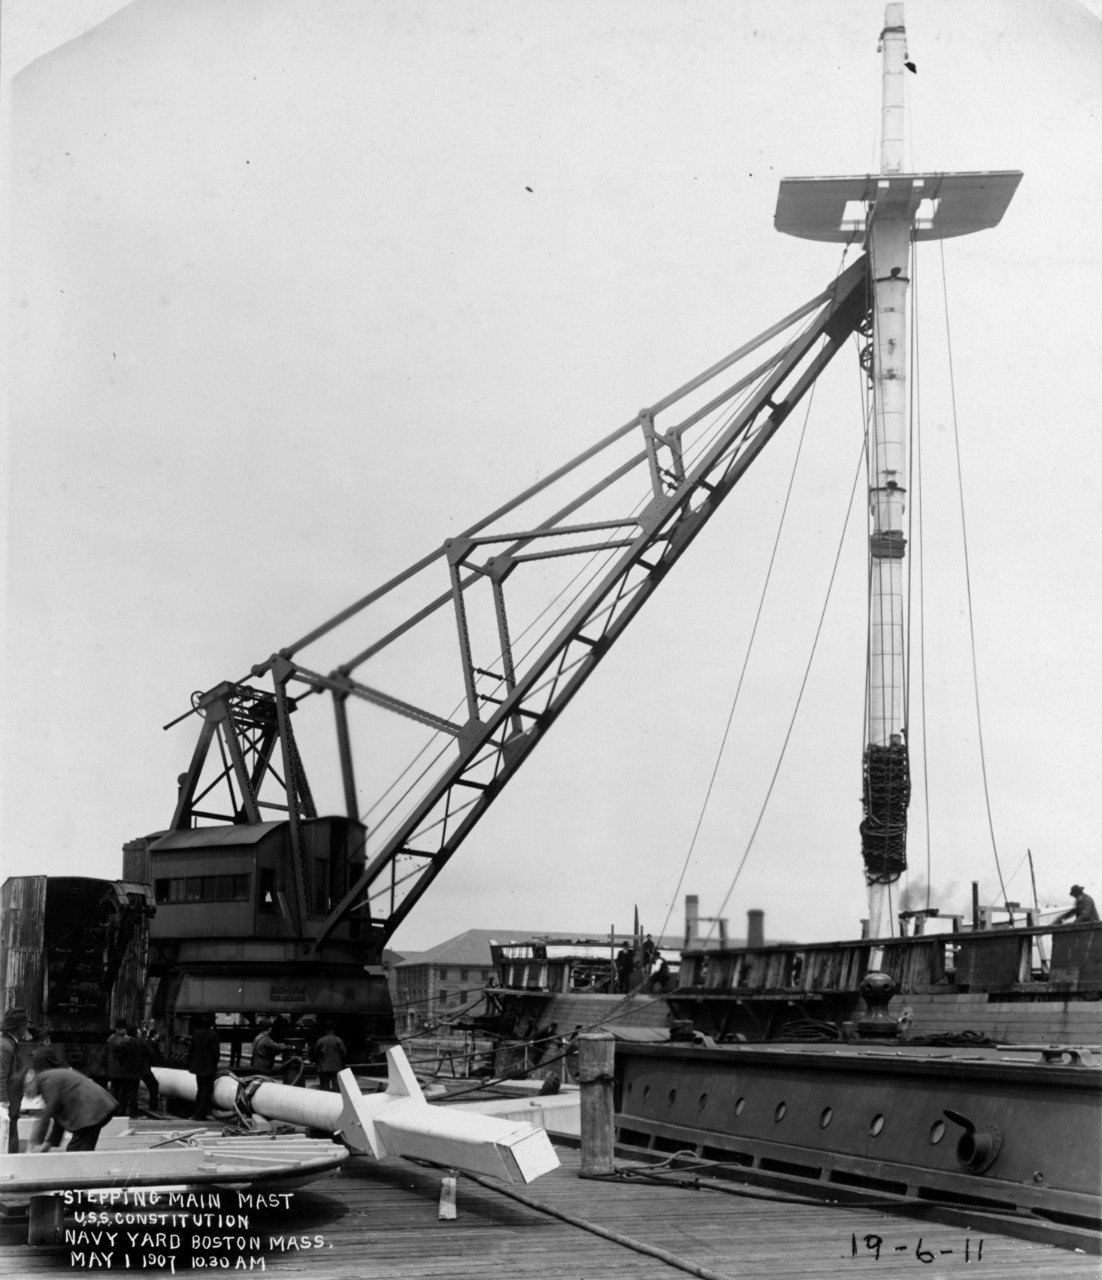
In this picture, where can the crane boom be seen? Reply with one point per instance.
(510, 698)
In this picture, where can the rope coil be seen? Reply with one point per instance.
(887, 793)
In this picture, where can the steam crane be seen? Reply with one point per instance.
(290, 913)
(264, 907)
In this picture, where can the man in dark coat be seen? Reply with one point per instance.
(331, 1055)
(70, 1101)
(1084, 911)
(12, 1033)
(151, 1057)
(203, 1064)
(625, 963)
(266, 1048)
(115, 1042)
(132, 1058)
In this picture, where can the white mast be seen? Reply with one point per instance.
(889, 245)
(884, 211)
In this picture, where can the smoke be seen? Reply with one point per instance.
(916, 893)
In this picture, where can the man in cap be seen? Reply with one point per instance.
(266, 1048)
(1084, 911)
(70, 1101)
(203, 1063)
(12, 1032)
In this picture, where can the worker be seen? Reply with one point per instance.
(72, 1102)
(625, 962)
(115, 1042)
(13, 1031)
(131, 1061)
(151, 1057)
(203, 1063)
(331, 1055)
(1084, 911)
(266, 1048)
(650, 953)
(660, 978)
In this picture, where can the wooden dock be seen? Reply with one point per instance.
(374, 1221)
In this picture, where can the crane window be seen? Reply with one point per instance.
(232, 888)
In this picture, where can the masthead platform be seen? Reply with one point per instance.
(940, 204)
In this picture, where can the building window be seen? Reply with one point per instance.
(464, 974)
(442, 974)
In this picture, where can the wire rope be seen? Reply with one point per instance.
(742, 672)
(968, 577)
(569, 595)
(800, 694)
(672, 902)
(919, 562)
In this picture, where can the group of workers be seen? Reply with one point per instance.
(329, 1053)
(655, 968)
(74, 1103)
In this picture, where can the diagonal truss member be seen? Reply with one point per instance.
(682, 499)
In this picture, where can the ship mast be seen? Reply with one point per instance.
(886, 770)
(888, 211)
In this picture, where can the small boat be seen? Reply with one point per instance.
(175, 1158)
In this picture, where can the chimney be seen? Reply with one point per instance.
(692, 909)
(755, 928)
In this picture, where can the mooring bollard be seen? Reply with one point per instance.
(46, 1220)
(596, 1055)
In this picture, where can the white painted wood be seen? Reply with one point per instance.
(398, 1122)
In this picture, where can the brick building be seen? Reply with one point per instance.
(446, 981)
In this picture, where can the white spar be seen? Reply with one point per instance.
(890, 210)
(398, 1122)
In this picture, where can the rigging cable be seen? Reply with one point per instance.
(918, 562)
(742, 674)
(968, 577)
(803, 685)
(746, 658)
(578, 585)
(569, 595)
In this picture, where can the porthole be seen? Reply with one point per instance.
(702, 1102)
(646, 1092)
(826, 1116)
(671, 1098)
(778, 1115)
(877, 1125)
(740, 1105)
(937, 1131)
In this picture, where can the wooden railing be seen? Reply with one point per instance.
(1067, 958)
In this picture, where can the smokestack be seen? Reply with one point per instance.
(755, 928)
(692, 912)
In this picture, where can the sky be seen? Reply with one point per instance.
(297, 289)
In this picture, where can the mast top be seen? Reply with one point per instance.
(938, 205)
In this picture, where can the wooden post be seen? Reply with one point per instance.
(596, 1055)
(447, 1211)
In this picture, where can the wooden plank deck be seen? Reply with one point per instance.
(380, 1222)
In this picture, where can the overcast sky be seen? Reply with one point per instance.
(300, 288)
